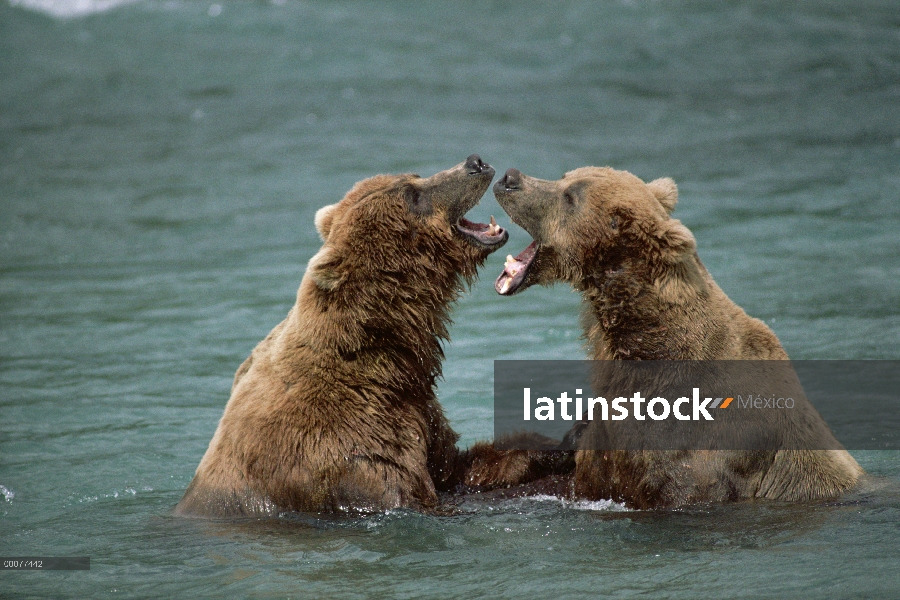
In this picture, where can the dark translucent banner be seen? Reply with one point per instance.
(698, 405)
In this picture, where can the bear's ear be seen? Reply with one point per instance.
(680, 280)
(665, 190)
(324, 269)
(323, 220)
(676, 240)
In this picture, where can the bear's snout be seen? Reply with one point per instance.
(474, 165)
(511, 180)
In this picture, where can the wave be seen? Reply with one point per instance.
(65, 9)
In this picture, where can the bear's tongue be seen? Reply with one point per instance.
(514, 270)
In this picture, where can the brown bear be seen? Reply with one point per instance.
(647, 296)
(335, 410)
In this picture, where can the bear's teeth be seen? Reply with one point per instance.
(510, 259)
(492, 228)
(505, 286)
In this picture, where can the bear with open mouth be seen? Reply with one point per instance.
(647, 296)
(335, 410)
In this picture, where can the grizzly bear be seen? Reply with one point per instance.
(647, 296)
(335, 410)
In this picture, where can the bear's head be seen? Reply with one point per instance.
(591, 220)
(396, 235)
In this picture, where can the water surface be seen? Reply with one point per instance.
(160, 166)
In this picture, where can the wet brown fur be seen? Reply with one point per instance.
(647, 296)
(515, 461)
(335, 409)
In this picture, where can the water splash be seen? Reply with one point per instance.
(592, 505)
(7, 493)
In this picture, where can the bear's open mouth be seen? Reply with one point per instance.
(515, 270)
(489, 236)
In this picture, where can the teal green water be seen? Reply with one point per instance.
(160, 165)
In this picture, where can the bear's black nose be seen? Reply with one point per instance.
(475, 165)
(512, 180)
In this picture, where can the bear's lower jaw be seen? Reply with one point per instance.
(515, 270)
(485, 236)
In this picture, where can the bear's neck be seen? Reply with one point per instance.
(393, 322)
(628, 316)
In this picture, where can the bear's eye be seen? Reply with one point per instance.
(614, 223)
(570, 198)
